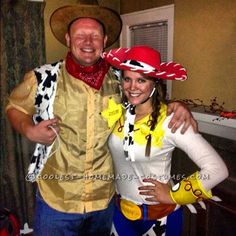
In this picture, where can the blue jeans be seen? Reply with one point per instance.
(50, 222)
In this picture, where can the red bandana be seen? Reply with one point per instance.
(91, 75)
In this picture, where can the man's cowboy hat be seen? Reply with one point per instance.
(63, 16)
(146, 60)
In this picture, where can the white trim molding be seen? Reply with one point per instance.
(216, 125)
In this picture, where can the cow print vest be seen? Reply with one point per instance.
(47, 84)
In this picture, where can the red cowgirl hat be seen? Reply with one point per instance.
(146, 60)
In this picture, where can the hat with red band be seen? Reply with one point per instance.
(146, 60)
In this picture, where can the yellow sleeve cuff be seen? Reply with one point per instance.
(189, 190)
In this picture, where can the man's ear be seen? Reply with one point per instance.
(105, 41)
(67, 37)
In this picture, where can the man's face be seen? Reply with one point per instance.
(86, 41)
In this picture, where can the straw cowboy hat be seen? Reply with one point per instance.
(146, 60)
(63, 16)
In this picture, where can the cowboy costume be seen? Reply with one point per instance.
(76, 94)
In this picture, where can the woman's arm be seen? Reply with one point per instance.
(204, 156)
(213, 170)
(197, 186)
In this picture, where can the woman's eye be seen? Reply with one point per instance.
(141, 80)
(126, 79)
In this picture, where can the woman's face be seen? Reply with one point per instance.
(136, 87)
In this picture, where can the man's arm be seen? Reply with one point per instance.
(181, 115)
(39, 133)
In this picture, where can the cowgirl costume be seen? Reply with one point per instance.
(134, 215)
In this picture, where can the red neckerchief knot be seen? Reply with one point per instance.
(91, 75)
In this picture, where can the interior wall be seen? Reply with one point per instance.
(139, 5)
(204, 42)
(54, 49)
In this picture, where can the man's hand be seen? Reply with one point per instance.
(39, 133)
(157, 192)
(42, 132)
(182, 115)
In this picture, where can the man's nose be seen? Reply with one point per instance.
(88, 39)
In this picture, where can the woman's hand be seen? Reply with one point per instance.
(157, 192)
(182, 115)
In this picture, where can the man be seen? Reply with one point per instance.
(74, 175)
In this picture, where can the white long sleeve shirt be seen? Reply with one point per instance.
(129, 174)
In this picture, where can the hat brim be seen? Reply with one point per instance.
(62, 17)
(168, 70)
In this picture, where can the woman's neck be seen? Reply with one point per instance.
(143, 110)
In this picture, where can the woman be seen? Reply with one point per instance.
(141, 145)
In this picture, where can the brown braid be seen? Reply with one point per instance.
(157, 98)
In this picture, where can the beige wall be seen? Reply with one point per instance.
(204, 41)
(54, 49)
(127, 6)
